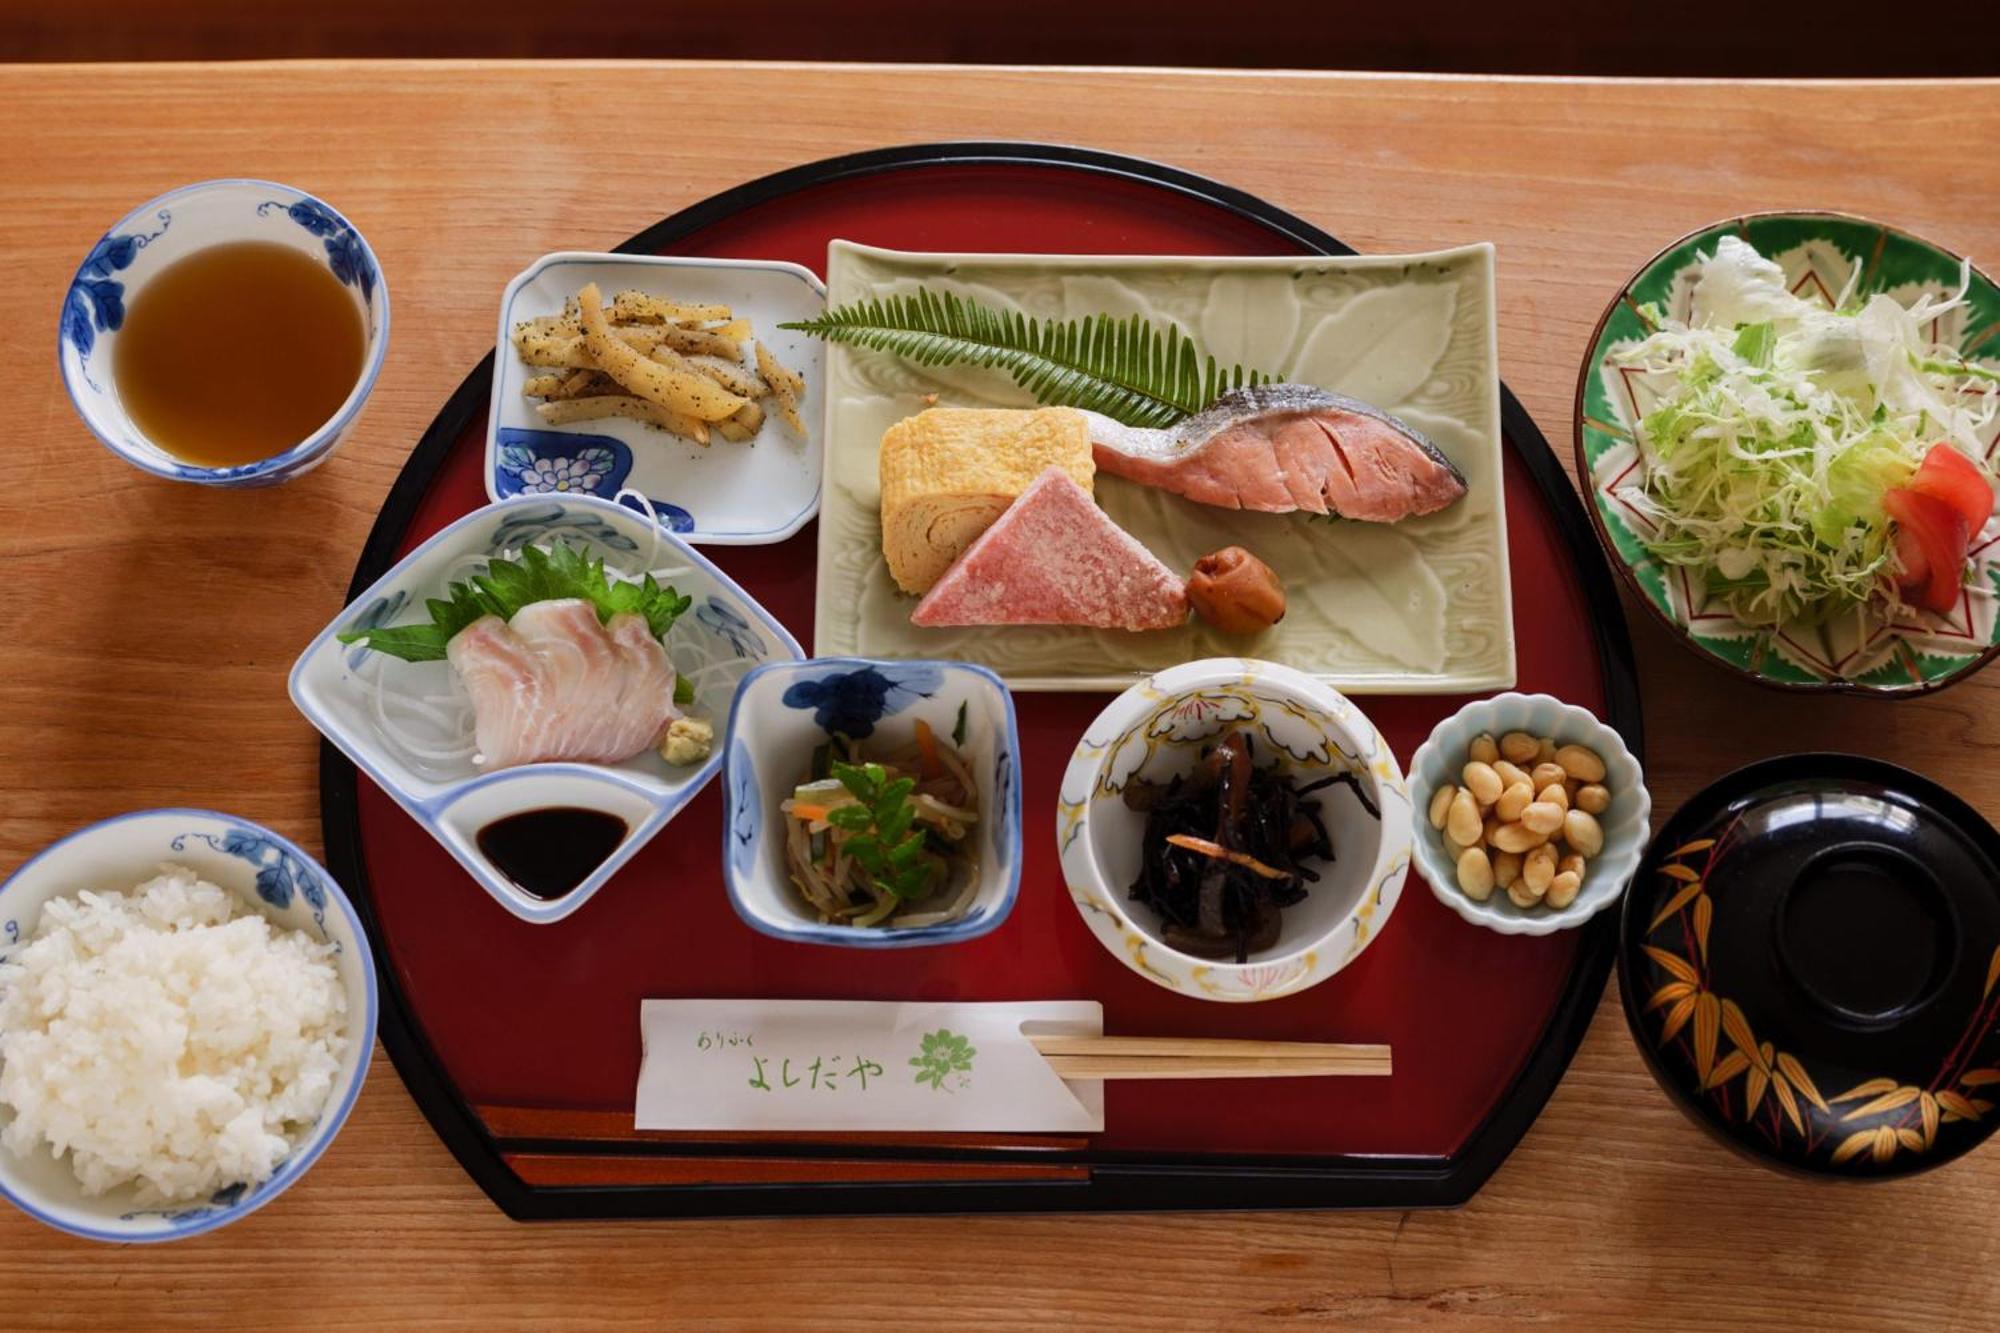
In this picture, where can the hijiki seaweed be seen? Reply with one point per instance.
(1226, 846)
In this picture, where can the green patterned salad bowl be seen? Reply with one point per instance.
(1888, 650)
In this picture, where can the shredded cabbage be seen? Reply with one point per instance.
(1781, 426)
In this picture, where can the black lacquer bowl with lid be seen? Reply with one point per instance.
(1810, 963)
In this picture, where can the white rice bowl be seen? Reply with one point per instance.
(167, 1037)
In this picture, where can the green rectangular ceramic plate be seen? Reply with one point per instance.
(1422, 606)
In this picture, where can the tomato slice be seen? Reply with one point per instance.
(1940, 537)
(1948, 475)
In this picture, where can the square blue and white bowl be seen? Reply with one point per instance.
(171, 227)
(722, 494)
(270, 874)
(406, 724)
(784, 710)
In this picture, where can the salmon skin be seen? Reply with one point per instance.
(1284, 447)
(556, 684)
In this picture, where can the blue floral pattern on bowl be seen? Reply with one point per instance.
(345, 254)
(850, 702)
(536, 523)
(729, 624)
(281, 876)
(782, 710)
(746, 807)
(96, 300)
(541, 462)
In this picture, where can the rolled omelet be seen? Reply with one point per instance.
(947, 473)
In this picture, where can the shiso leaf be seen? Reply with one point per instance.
(507, 585)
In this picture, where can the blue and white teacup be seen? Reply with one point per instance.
(173, 226)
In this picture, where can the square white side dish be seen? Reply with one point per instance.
(722, 494)
(1423, 606)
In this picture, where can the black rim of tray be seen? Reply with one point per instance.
(1116, 1182)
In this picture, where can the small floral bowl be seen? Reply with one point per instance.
(173, 226)
(784, 709)
(1627, 823)
(276, 878)
(1159, 728)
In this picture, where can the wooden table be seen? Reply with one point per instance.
(145, 631)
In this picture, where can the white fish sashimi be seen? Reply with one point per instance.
(555, 683)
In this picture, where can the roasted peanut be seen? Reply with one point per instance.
(1475, 874)
(1580, 763)
(1517, 838)
(1482, 782)
(1583, 833)
(1462, 823)
(1441, 804)
(1538, 869)
(1523, 818)
(1542, 817)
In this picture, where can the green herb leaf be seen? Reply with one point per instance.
(683, 691)
(878, 828)
(958, 727)
(1129, 370)
(850, 818)
(505, 586)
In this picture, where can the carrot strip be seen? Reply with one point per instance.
(810, 813)
(1221, 853)
(927, 750)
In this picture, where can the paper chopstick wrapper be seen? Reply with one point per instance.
(863, 1065)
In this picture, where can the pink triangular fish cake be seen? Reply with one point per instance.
(1055, 558)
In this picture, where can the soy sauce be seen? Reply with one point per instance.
(549, 852)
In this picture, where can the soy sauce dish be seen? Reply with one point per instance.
(1810, 964)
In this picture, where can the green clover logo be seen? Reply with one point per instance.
(944, 1053)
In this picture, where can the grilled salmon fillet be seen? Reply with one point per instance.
(1284, 447)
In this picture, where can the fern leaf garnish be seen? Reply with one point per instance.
(1140, 373)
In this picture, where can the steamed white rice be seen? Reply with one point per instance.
(169, 1037)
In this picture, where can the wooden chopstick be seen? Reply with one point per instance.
(1073, 1056)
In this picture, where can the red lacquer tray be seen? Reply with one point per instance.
(521, 1042)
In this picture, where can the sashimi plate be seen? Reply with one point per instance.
(1417, 607)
